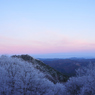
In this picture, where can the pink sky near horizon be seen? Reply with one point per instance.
(31, 46)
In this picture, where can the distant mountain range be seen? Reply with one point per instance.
(67, 66)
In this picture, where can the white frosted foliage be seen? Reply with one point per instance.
(19, 77)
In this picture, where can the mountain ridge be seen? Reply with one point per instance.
(52, 74)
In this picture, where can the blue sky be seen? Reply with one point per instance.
(47, 27)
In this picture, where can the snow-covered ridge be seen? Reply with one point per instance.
(52, 74)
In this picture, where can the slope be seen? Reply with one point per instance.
(52, 74)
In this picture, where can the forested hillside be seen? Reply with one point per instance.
(20, 77)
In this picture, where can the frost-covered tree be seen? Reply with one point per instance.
(19, 77)
(83, 83)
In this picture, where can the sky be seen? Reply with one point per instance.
(48, 28)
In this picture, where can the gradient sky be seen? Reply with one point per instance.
(42, 27)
